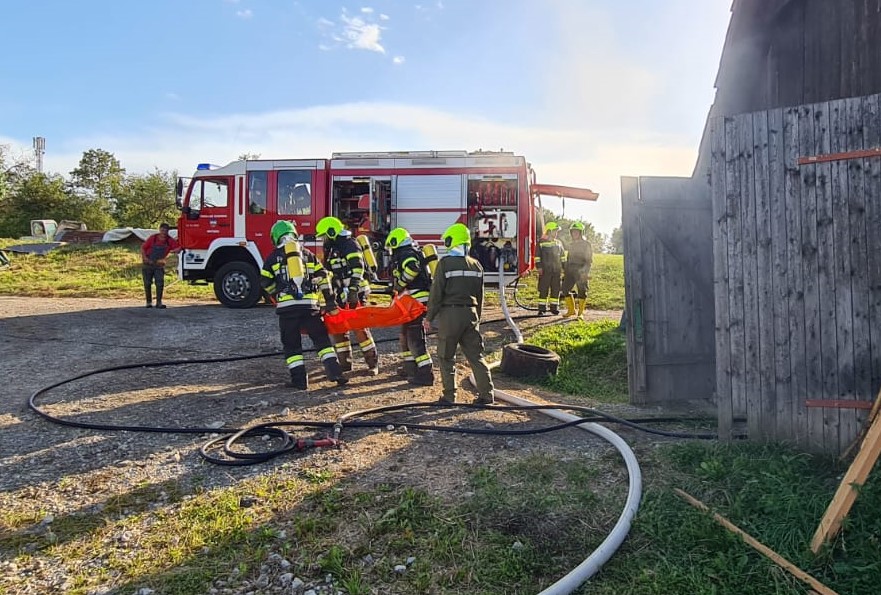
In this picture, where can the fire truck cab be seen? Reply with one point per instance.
(227, 212)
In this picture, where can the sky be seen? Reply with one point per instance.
(587, 90)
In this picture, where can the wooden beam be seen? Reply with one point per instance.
(849, 488)
(846, 155)
(838, 403)
(759, 546)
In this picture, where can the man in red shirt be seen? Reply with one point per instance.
(153, 254)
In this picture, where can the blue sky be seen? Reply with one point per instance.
(587, 90)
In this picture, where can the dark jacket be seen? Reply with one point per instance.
(458, 281)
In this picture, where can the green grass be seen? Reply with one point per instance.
(516, 525)
(97, 270)
(606, 284)
(593, 359)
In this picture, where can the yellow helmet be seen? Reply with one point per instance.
(330, 227)
(398, 237)
(456, 235)
(577, 225)
(551, 226)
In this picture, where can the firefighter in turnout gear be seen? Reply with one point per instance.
(577, 270)
(411, 276)
(455, 304)
(343, 257)
(549, 261)
(297, 280)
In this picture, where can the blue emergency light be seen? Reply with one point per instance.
(204, 166)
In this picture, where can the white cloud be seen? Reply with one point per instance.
(354, 32)
(384, 17)
(244, 14)
(398, 60)
(172, 95)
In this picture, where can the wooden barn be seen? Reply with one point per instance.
(755, 286)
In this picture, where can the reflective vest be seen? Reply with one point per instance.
(410, 272)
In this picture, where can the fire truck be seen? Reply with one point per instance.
(227, 212)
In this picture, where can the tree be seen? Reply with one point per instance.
(146, 201)
(38, 196)
(99, 173)
(13, 169)
(249, 156)
(616, 241)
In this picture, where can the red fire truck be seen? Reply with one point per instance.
(226, 212)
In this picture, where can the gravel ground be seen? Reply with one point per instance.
(57, 471)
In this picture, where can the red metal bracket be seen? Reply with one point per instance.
(840, 156)
(839, 404)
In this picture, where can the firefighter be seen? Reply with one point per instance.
(343, 257)
(411, 276)
(455, 304)
(577, 270)
(295, 277)
(549, 262)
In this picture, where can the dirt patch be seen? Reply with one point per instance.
(55, 470)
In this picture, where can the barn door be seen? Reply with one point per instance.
(668, 277)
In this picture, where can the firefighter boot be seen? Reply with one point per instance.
(542, 309)
(424, 376)
(344, 359)
(570, 307)
(555, 308)
(149, 294)
(408, 370)
(582, 304)
(334, 372)
(298, 378)
(371, 358)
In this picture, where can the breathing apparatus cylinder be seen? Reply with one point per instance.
(430, 253)
(367, 250)
(296, 266)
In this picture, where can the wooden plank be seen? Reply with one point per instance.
(795, 285)
(750, 278)
(871, 116)
(846, 495)
(733, 157)
(849, 79)
(757, 545)
(826, 268)
(779, 279)
(720, 277)
(859, 259)
(810, 272)
(764, 311)
(633, 292)
(850, 260)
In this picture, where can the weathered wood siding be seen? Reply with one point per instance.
(797, 269)
(668, 272)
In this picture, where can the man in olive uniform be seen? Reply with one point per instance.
(411, 276)
(295, 277)
(455, 304)
(577, 270)
(344, 259)
(549, 262)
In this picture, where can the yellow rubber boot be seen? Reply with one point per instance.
(570, 307)
(582, 304)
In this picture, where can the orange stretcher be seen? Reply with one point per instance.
(402, 310)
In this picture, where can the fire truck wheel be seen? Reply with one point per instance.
(237, 285)
(529, 361)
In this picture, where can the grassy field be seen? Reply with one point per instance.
(606, 284)
(520, 522)
(99, 270)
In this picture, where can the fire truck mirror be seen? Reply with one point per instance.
(179, 193)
